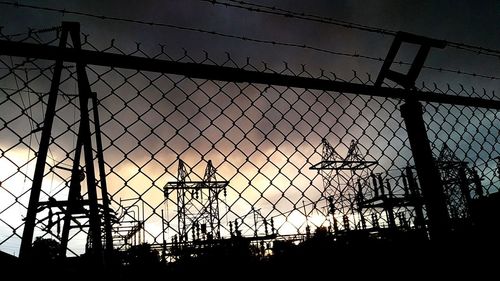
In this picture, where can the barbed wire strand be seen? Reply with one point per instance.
(34, 31)
(259, 8)
(244, 38)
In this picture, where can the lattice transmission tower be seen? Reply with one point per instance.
(340, 176)
(197, 203)
(87, 212)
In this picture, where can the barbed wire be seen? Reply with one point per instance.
(243, 38)
(474, 49)
(303, 16)
(33, 31)
(259, 8)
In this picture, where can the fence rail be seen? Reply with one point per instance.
(230, 74)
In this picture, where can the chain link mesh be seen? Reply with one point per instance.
(261, 139)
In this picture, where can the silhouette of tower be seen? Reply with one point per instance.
(457, 181)
(197, 203)
(340, 184)
(76, 211)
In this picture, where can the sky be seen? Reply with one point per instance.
(265, 165)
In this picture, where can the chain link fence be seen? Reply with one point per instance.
(265, 147)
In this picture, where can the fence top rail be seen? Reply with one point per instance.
(229, 74)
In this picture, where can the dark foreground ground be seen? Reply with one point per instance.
(464, 256)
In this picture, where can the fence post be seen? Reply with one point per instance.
(427, 171)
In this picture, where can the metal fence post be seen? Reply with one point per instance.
(427, 171)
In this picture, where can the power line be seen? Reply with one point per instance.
(244, 38)
(310, 17)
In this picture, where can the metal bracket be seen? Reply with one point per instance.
(407, 80)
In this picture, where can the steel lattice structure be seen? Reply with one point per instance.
(340, 179)
(197, 203)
